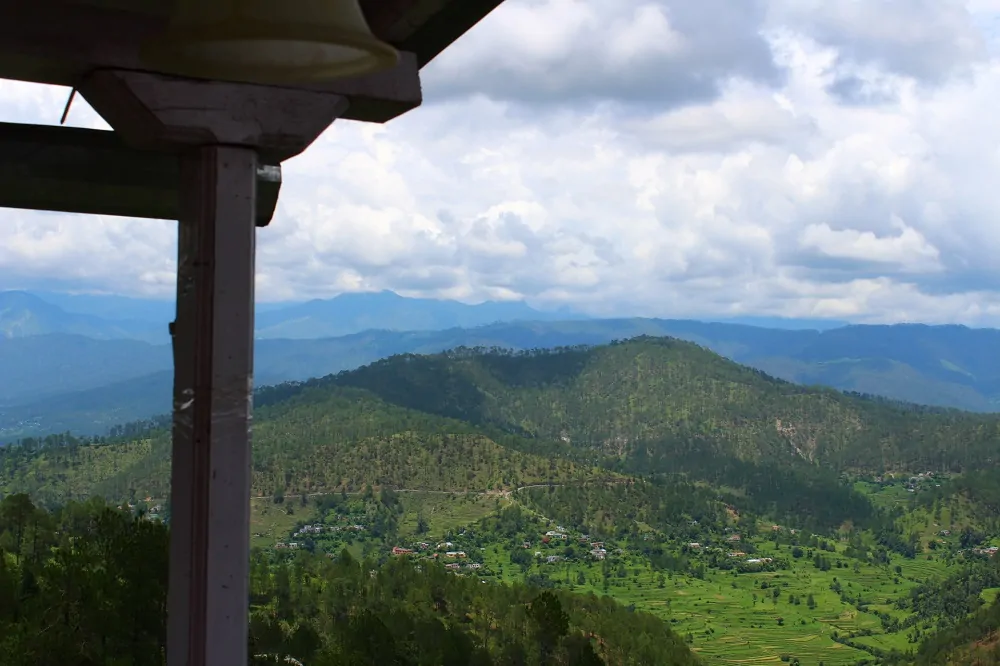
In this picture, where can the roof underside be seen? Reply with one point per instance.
(58, 41)
(90, 171)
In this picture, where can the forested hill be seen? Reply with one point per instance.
(493, 420)
(317, 440)
(652, 401)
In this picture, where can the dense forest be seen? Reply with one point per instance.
(680, 399)
(87, 585)
(505, 419)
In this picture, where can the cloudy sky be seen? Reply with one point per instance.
(801, 158)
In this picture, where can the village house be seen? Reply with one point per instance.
(734, 537)
(455, 553)
(310, 529)
(552, 559)
(695, 545)
(759, 560)
(598, 553)
(396, 550)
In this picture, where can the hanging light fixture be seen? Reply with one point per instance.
(268, 41)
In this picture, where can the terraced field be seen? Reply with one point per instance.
(736, 619)
(802, 613)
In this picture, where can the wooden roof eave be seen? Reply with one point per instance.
(75, 170)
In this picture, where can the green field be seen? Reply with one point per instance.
(731, 620)
(764, 617)
(270, 522)
(442, 511)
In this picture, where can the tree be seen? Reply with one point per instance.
(550, 620)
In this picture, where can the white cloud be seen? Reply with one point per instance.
(631, 159)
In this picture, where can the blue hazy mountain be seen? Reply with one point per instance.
(39, 366)
(88, 385)
(786, 323)
(23, 314)
(117, 317)
(110, 306)
(388, 311)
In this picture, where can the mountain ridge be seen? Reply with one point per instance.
(950, 366)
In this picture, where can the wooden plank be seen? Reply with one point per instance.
(76, 170)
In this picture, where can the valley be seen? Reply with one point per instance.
(761, 521)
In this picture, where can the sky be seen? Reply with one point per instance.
(795, 158)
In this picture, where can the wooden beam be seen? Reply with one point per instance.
(157, 112)
(74, 170)
(208, 597)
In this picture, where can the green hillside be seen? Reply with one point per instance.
(476, 421)
(765, 521)
(319, 440)
(659, 397)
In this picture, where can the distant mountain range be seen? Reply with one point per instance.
(23, 314)
(62, 382)
(108, 317)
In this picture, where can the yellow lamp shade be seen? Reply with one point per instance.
(268, 41)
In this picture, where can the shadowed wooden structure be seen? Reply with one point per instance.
(207, 153)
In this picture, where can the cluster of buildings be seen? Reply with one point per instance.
(316, 528)
(989, 551)
(442, 552)
(597, 550)
(759, 560)
(319, 529)
(424, 546)
(471, 566)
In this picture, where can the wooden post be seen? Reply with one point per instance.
(208, 595)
